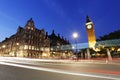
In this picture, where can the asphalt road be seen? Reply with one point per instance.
(39, 70)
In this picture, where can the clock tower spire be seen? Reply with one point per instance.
(90, 32)
(87, 19)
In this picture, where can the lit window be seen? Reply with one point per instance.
(41, 49)
(28, 27)
(32, 47)
(3, 46)
(26, 47)
(37, 49)
(31, 28)
(21, 47)
(46, 49)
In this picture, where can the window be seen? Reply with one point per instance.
(31, 28)
(26, 47)
(28, 27)
(32, 47)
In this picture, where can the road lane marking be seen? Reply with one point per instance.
(59, 71)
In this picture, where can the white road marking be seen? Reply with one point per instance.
(59, 71)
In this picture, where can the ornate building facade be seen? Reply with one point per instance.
(59, 47)
(27, 42)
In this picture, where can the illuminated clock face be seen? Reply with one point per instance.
(89, 26)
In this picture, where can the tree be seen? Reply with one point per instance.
(112, 36)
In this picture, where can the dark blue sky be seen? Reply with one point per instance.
(64, 16)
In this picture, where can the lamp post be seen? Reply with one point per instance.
(75, 36)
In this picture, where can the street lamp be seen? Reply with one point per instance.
(75, 36)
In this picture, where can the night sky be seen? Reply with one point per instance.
(64, 16)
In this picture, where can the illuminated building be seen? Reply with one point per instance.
(59, 47)
(90, 32)
(27, 42)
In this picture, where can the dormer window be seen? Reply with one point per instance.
(28, 27)
(30, 24)
(31, 28)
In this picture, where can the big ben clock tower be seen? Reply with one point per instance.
(90, 32)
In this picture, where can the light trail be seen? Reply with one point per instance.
(59, 71)
(30, 59)
(35, 61)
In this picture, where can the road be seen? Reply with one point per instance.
(29, 69)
